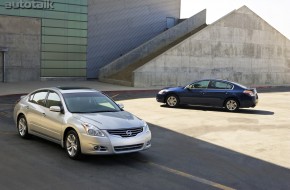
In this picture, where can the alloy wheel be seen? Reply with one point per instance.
(231, 105)
(22, 127)
(72, 145)
(172, 101)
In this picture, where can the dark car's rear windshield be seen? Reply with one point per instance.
(89, 102)
(239, 85)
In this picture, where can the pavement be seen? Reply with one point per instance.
(26, 87)
(192, 147)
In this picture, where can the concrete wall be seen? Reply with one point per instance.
(153, 45)
(117, 27)
(1, 66)
(63, 36)
(241, 47)
(22, 37)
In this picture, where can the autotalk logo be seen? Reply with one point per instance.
(47, 4)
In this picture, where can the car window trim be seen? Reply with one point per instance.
(38, 92)
(49, 91)
(222, 88)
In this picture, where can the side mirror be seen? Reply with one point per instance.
(121, 106)
(188, 87)
(55, 109)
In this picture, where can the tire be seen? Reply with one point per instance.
(72, 145)
(22, 127)
(172, 101)
(231, 105)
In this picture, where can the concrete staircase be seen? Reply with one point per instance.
(121, 70)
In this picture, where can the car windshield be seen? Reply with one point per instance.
(89, 102)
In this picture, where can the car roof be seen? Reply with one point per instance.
(222, 80)
(227, 81)
(68, 89)
(71, 89)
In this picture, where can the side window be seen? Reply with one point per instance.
(220, 85)
(53, 100)
(200, 84)
(38, 98)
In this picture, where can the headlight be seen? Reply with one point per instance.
(145, 127)
(162, 91)
(93, 130)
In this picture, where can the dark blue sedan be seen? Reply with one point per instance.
(210, 92)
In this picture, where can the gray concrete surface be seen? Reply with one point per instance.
(193, 148)
(26, 87)
(262, 132)
(22, 38)
(162, 40)
(241, 47)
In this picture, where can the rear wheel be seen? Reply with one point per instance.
(22, 127)
(72, 145)
(231, 105)
(172, 101)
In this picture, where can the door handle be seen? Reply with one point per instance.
(26, 107)
(43, 114)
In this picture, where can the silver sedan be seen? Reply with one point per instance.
(83, 121)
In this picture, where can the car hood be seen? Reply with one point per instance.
(178, 88)
(111, 120)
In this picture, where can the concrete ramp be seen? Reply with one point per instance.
(121, 70)
(240, 46)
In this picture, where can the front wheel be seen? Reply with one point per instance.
(231, 105)
(72, 145)
(172, 101)
(22, 127)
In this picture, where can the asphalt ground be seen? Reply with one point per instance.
(175, 161)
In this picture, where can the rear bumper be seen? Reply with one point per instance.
(249, 102)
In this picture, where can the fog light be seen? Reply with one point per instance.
(100, 148)
(148, 143)
(97, 147)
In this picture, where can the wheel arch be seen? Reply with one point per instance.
(18, 117)
(171, 93)
(69, 128)
(234, 98)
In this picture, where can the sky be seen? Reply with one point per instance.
(275, 12)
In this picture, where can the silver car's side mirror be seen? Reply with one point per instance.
(55, 109)
(121, 106)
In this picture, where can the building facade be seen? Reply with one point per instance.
(117, 27)
(43, 39)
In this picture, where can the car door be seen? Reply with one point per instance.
(217, 92)
(53, 121)
(35, 110)
(194, 93)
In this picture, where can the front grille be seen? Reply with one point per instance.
(128, 148)
(126, 132)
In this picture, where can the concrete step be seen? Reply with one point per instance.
(122, 68)
(115, 81)
(126, 74)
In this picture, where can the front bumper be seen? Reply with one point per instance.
(112, 144)
(160, 98)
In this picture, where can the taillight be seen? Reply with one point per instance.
(249, 92)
